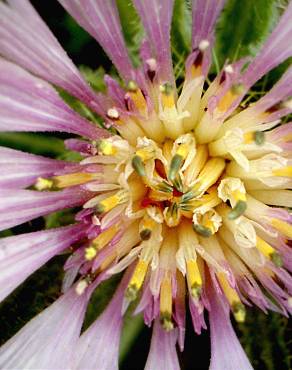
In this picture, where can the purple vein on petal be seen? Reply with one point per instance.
(28, 103)
(47, 341)
(40, 52)
(19, 169)
(18, 206)
(156, 16)
(21, 255)
(276, 50)
(101, 19)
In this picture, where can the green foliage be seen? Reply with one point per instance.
(132, 28)
(42, 144)
(39, 291)
(181, 36)
(243, 26)
(100, 298)
(265, 338)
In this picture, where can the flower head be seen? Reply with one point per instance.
(184, 189)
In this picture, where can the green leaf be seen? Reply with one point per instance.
(132, 28)
(133, 325)
(181, 30)
(243, 27)
(34, 143)
(94, 77)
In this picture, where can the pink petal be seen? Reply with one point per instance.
(162, 353)
(205, 14)
(98, 347)
(18, 206)
(156, 16)
(26, 40)
(101, 19)
(19, 169)
(48, 340)
(277, 49)
(226, 351)
(21, 255)
(28, 103)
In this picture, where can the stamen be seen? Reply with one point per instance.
(81, 287)
(232, 297)
(43, 184)
(283, 172)
(209, 175)
(137, 97)
(166, 304)
(269, 252)
(152, 68)
(105, 147)
(178, 159)
(146, 227)
(172, 215)
(73, 179)
(194, 279)
(137, 280)
(203, 45)
(167, 95)
(283, 227)
(109, 203)
(138, 165)
(238, 210)
(113, 113)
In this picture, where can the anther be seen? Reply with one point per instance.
(113, 114)
(175, 165)
(132, 86)
(202, 230)
(203, 45)
(138, 165)
(238, 210)
(145, 234)
(239, 312)
(259, 137)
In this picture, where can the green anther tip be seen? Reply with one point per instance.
(132, 86)
(138, 165)
(99, 208)
(259, 137)
(277, 259)
(131, 293)
(145, 234)
(165, 321)
(238, 210)
(175, 164)
(196, 291)
(202, 230)
(239, 312)
(237, 89)
(167, 88)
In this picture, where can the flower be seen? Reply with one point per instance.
(186, 190)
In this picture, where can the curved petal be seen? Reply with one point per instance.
(26, 40)
(226, 351)
(162, 353)
(156, 16)
(19, 169)
(21, 255)
(205, 14)
(28, 103)
(48, 340)
(98, 346)
(101, 19)
(277, 49)
(18, 206)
